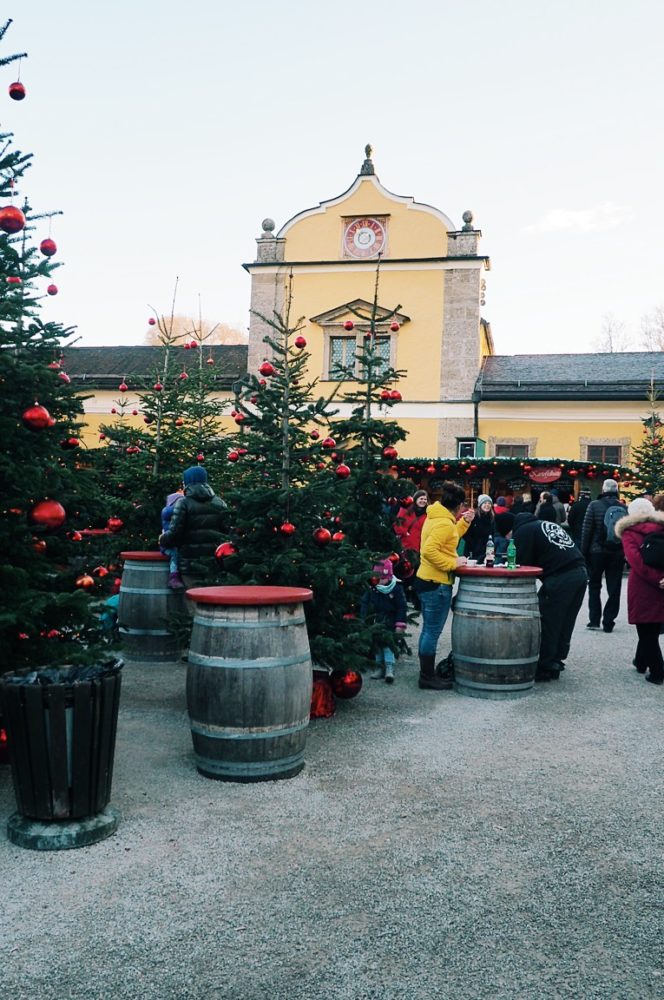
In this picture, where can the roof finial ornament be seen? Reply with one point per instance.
(467, 221)
(367, 166)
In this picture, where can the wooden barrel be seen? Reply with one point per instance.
(249, 680)
(496, 632)
(146, 608)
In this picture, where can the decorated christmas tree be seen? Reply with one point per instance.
(648, 457)
(48, 492)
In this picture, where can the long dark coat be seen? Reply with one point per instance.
(645, 601)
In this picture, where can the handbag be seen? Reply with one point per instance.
(652, 550)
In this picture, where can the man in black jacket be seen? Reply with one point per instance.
(564, 578)
(197, 524)
(603, 558)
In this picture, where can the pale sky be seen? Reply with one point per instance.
(167, 131)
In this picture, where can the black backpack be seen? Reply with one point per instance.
(652, 550)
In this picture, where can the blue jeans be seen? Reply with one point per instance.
(384, 656)
(174, 560)
(435, 609)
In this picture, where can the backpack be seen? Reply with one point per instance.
(652, 550)
(613, 514)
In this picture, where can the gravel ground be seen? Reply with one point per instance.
(435, 846)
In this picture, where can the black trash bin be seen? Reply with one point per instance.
(61, 725)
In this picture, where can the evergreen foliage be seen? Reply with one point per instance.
(648, 457)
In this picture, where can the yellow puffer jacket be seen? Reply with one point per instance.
(440, 537)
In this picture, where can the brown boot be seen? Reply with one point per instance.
(429, 678)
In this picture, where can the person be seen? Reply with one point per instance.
(197, 523)
(522, 504)
(564, 578)
(500, 506)
(483, 527)
(504, 525)
(386, 600)
(435, 576)
(408, 529)
(545, 510)
(604, 559)
(576, 515)
(175, 581)
(559, 507)
(645, 586)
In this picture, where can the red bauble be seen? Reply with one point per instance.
(54, 366)
(385, 394)
(48, 247)
(322, 536)
(431, 468)
(390, 452)
(157, 387)
(53, 633)
(113, 410)
(346, 683)
(52, 290)
(225, 549)
(348, 325)
(71, 442)
(179, 422)
(314, 435)
(74, 536)
(134, 413)
(300, 342)
(114, 524)
(407, 501)
(49, 513)
(100, 571)
(329, 443)
(123, 387)
(40, 546)
(14, 280)
(200, 457)
(239, 418)
(12, 219)
(16, 91)
(342, 471)
(133, 449)
(193, 344)
(102, 437)
(287, 528)
(64, 377)
(394, 327)
(233, 456)
(182, 376)
(394, 557)
(242, 451)
(338, 536)
(85, 581)
(37, 418)
(262, 381)
(187, 346)
(396, 395)
(210, 361)
(152, 321)
(267, 369)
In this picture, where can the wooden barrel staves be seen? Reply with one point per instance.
(146, 607)
(496, 632)
(249, 679)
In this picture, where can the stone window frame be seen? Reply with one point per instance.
(496, 442)
(357, 334)
(623, 443)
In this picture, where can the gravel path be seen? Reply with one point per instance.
(435, 846)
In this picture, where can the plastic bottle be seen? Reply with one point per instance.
(490, 556)
(511, 555)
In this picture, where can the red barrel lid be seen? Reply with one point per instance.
(144, 556)
(498, 571)
(249, 595)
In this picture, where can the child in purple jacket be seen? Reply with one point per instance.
(175, 581)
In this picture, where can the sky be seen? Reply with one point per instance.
(166, 132)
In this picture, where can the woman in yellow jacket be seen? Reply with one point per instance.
(435, 576)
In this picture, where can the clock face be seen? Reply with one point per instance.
(364, 237)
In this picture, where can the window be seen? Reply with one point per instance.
(466, 449)
(506, 450)
(605, 454)
(342, 352)
(382, 349)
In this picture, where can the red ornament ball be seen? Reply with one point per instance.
(348, 325)
(64, 377)
(54, 366)
(394, 327)
(182, 376)
(287, 528)
(300, 342)
(394, 557)
(152, 321)
(385, 394)
(179, 422)
(49, 514)
(396, 396)
(114, 524)
(158, 387)
(37, 418)
(12, 219)
(193, 344)
(342, 471)
(40, 546)
(48, 247)
(329, 443)
(338, 536)
(390, 452)
(52, 290)
(224, 550)
(233, 456)
(267, 369)
(322, 536)
(14, 280)
(314, 435)
(74, 536)
(123, 387)
(85, 581)
(200, 457)
(102, 437)
(210, 361)
(16, 91)
(239, 418)
(100, 571)
(346, 683)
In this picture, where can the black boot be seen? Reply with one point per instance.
(429, 678)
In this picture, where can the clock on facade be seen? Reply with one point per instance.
(364, 237)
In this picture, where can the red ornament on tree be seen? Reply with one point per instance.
(348, 325)
(64, 377)
(300, 342)
(385, 394)
(16, 91)
(338, 536)
(322, 536)
(49, 514)
(52, 290)
(54, 366)
(210, 361)
(37, 418)
(346, 683)
(233, 456)
(12, 219)
(183, 375)
(342, 471)
(14, 280)
(179, 422)
(85, 581)
(396, 395)
(48, 247)
(390, 452)
(239, 418)
(267, 369)
(431, 468)
(314, 435)
(74, 536)
(407, 501)
(329, 443)
(200, 457)
(114, 524)
(100, 571)
(123, 387)
(225, 549)
(193, 344)
(287, 528)
(394, 327)
(152, 321)
(40, 546)
(157, 387)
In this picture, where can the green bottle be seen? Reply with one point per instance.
(511, 555)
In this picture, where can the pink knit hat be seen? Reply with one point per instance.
(383, 568)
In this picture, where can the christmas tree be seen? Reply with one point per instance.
(293, 503)
(648, 457)
(47, 489)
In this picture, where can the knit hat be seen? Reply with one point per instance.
(419, 493)
(609, 486)
(641, 506)
(501, 502)
(194, 474)
(383, 568)
(483, 498)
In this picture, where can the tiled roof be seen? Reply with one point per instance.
(103, 367)
(571, 376)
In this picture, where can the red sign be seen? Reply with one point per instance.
(547, 474)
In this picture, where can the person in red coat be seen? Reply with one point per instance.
(645, 586)
(408, 529)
